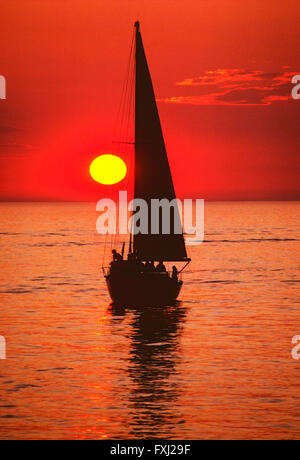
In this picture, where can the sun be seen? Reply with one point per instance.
(108, 169)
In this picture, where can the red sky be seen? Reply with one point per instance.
(222, 75)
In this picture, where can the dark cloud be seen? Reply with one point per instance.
(8, 129)
(244, 96)
(269, 75)
(236, 87)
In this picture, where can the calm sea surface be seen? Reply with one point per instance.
(217, 365)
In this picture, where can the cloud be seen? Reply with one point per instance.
(7, 129)
(15, 148)
(235, 87)
(10, 144)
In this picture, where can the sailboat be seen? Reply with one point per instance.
(128, 281)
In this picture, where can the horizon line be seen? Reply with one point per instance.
(207, 200)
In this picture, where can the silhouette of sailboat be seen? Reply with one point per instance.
(131, 281)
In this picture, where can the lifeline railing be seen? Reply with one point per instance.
(106, 272)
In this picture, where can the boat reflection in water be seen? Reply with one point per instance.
(153, 358)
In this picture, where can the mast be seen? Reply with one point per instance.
(153, 178)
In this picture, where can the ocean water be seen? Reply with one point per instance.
(217, 365)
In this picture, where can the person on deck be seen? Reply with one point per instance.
(130, 257)
(160, 267)
(116, 256)
(148, 267)
(152, 266)
(174, 273)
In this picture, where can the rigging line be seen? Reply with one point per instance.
(120, 116)
(129, 117)
(104, 251)
(131, 109)
(124, 132)
(119, 124)
(130, 97)
(131, 86)
(126, 117)
(121, 142)
(123, 88)
(125, 92)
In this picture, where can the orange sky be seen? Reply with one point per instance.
(221, 72)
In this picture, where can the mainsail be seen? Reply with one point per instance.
(153, 178)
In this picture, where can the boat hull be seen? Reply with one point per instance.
(143, 289)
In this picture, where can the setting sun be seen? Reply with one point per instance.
(108, 169)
